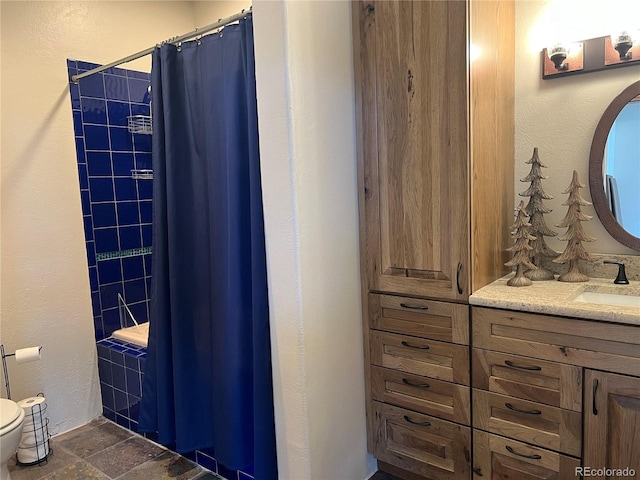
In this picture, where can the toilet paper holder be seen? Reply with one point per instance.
(4, 366)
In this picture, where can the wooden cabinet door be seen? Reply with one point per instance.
(431, 448)
(530, 422)
(500, 458)
(412, 91)
(427, 358)
(551, 383)
(612, 423)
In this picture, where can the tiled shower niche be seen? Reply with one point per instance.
(116, 204)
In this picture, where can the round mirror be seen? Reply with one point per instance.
(614, 168)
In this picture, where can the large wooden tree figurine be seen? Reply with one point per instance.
(535, 210)
(520, 248)
(575, 234)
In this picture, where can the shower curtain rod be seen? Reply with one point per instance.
(179, 38)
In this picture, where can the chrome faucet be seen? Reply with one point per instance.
(621, 279)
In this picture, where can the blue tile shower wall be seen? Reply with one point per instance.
(121, 371)
(121, 367)
(117, 214)
(116, 208)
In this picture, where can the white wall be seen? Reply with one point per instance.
(559, 116)
(206, 12)
(304, 74)
(44, 280)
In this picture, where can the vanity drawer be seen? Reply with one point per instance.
(597, 345)
(427, 358)
(550, 383)
(496, 457)
(542, 425)
(433, 448)
(444, 321)
(421, 394)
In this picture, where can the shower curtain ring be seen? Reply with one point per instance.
(179, 46)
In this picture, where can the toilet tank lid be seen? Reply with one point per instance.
(9, 412)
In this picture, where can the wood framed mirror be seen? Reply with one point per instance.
(604, 184)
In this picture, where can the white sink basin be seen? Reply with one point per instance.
(609, 299)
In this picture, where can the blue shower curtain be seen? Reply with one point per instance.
(207, 380)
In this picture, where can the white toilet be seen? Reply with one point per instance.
(11, 422)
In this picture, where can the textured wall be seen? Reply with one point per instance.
(307, 145)
(559, 116)
(45, 282)
(209, 11)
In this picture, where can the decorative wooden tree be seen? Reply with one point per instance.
(575, 234)
(535, 210)
(520, 248)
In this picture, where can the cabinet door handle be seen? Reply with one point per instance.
(458, 278)
(478, 472)
(509, 363)
(411, 384)
(414, 307)
(419, 347)
(528, 412)
(532, 457)
(420, 424)
(595, 389)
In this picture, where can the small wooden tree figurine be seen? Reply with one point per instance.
(575, 234)
(520, 248)
(535, 210)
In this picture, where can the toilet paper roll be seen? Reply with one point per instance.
(24, 355)
(28, 403)
(33, 454)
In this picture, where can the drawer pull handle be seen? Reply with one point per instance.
(419, 347)
(528, 412)
(595, 389)
(411, 384)
(509, 363)
(420, 424)
(532, 457)
(414, 307)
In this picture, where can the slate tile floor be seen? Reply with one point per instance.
(103, 450)
(379, 475)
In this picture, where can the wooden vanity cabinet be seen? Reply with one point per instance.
(435, 179)
(551, 394)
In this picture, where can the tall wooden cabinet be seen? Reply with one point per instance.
(434, 97)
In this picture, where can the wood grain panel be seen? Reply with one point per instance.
(612, 422)
(492, 83)
(445, 400)
(533, 379)
(413, 140)
(590, 344)
(499, 458)
(424, 318)
(422, 444)
(531, 422)
(427, 358)
(365, 88)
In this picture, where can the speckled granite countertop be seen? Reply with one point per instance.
(557, 298)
